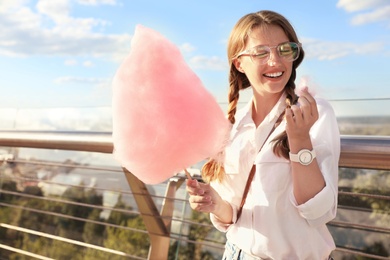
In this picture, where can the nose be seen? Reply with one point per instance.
(273, 57)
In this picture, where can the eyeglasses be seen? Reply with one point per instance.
(288, 51)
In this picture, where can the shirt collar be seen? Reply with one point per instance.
(244, 115)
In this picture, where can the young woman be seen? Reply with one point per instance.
(276, 187)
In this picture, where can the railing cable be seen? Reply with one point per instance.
(67, 240)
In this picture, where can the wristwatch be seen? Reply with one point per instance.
(304, 156)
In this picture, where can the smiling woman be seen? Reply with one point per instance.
(280, 163)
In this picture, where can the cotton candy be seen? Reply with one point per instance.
(164, 119)
(306, 81)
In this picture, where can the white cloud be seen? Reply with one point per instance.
(82, 80)
(323, 50)
(57, 10)
(51, 30)
(73, 62)
(211, 63)
(366, 11)
(97, 2)
(359, 5)
(70, 62)
(380, 14)
(187, 48)
(62, 119)
(87, 63)
(7, 5)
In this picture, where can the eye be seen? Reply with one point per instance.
(286, 49)
(260, 52)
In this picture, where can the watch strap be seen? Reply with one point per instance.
(296, 157)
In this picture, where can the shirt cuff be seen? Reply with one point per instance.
(317, 206)
(221, 226)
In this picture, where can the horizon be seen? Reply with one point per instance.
(100, 119)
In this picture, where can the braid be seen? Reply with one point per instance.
(281, 147)
(213, 169)
(233, 99)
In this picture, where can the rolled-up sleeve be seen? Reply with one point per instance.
(320, 209)
(221, 226)
(325, 136)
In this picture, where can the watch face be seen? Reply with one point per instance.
(305, 157)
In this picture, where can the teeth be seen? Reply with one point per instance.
(274, 75)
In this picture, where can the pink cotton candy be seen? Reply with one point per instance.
(164, 119)
(306, 82)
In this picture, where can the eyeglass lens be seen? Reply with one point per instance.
(288, 51)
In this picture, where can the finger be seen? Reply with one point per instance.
(196, 192)
(297, 114)
(305, 107)
(310, 99)
(309, 106)
(202, 208)
(192, 186)
(307, 95)
(289, 116)
(290, 120)
(200, 200)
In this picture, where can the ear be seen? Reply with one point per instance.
(237, 64)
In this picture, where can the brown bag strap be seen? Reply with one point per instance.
(247, 186)
(253, 170)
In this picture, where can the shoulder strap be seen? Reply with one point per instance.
(253, 170)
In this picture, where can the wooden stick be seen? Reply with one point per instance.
(188, 174)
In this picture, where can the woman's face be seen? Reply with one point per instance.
(271, 77)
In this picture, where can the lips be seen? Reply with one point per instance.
(274, 74)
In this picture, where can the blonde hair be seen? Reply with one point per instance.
(213, 170)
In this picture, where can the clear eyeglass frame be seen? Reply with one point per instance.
(288, 51)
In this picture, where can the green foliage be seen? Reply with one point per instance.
(197, 233)
(368, 208)
(127, 240)
(93, 233)
(7, 185)
(376, 183)
(57, 218)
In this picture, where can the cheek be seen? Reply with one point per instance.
(245, 65)
(251, 70)
(254, 75)
(288, 71)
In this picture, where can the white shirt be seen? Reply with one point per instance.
(272, 225)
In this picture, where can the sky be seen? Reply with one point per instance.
(64, 53)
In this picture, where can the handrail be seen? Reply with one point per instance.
(100, 142)
(368, 152)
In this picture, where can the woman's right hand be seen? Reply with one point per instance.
(204, 198)
(200, 196)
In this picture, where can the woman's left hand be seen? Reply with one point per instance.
(301, 117)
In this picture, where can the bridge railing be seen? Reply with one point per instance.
(94, 209)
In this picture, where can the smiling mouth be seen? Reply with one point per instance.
(273, 75)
